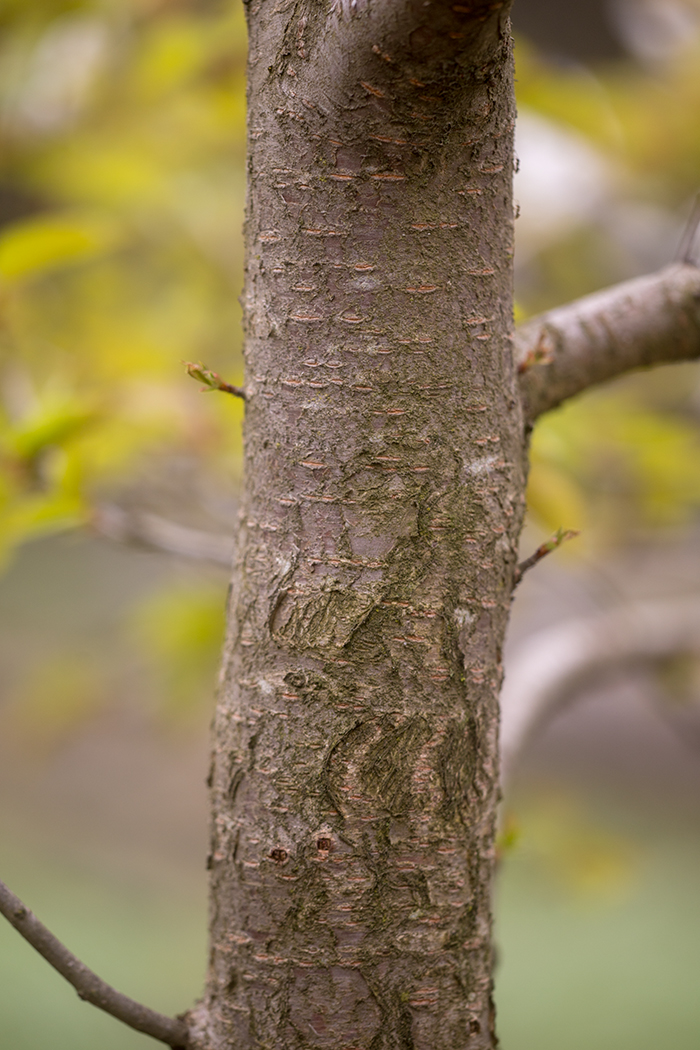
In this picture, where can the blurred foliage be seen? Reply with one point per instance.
(613, 964)
(679, 678)
(644, 118)
(578, 856)
(122, 128)
(621, 461)
(179, 630)
(608, 465)
(55, 696)
(121, 200)
(121, 189)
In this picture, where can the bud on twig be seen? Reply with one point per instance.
(559, 537)
(212, 380)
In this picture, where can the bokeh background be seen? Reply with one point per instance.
(121, 200)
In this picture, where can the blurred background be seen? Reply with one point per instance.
(121, 200)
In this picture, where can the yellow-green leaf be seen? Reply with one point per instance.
(35, 246)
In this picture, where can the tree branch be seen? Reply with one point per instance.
(151, 530)
(555, 665)
(648, 321)
(438, 42)
(88, 985)
(552, 544)
(391, 54)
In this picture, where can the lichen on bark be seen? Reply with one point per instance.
(355, 758)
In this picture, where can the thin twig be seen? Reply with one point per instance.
(685, 249)
(87, 984)
(212, 380)
(559, 537)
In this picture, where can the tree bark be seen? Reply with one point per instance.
(355, 774)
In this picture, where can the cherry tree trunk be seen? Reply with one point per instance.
(355, 771)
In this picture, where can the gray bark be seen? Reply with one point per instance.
(355, 763)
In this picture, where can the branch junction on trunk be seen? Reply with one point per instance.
(650, 320)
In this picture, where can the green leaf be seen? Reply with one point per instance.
(50, 428)
(36, 246)
(180, 630)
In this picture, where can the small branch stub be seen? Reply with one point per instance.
(91, 988)
(540, 354)
(559, 537)
(212, 380)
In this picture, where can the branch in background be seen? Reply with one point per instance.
(88, 985)
(686, 252)
(648, 321)
(554, 666)
(150, 530)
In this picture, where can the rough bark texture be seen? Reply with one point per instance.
(355, 768)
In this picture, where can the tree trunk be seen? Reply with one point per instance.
(355, 774)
